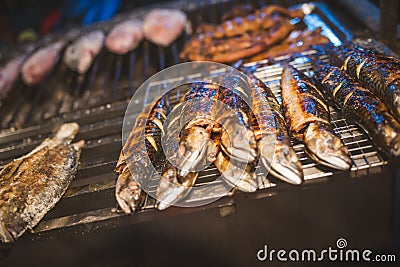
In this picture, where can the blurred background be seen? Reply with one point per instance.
(28, 20)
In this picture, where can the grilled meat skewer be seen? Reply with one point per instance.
(31, 185)
(358, 102)
(308, 114)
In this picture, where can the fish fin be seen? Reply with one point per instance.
(5, 235)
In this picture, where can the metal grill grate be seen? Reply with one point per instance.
(89, 202)
(96, 181)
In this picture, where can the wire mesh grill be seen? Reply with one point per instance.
(90, 200)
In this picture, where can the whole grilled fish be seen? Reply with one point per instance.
(199, 118)
(31, 185)
(308, 114)
(133, 155)
(378, 73)
(358, 102)
(125, 36)
(173, 187)
(274, 147)
(41, 63)
(237, 140)
(80, 54)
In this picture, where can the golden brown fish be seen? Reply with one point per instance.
(31, 185)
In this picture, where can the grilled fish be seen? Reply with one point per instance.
(8, 75)
(273, 142)
(80, 54)
(236, 173)
(173, 187)
(41, 63)
(308, 114)
(199, 118)
(135, 153)
(163, 26)
(237, 140)
(378, 73)
(125, 36)
(358, 102)
(31, 185)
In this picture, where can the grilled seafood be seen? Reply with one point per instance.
(296, 42)
(173, 187)
(41, 63)
(163, 26)
(199, 119)
(274, 147)
(264, 18)
(204, 47)
(31, 185)
(134, 153)
(308, 114)
(238, 174)
(8, 75)
(367, 109)
(125, 36)
(241, 144)
(378, 73)
(80, 54)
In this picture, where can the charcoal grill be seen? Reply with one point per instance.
(98, 100)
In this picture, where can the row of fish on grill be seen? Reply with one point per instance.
(159, 26)
(258, 128)
(364, 88)
(364, 84)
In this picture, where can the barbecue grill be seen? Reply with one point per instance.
(98, 100)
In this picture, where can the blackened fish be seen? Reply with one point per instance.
(378, 73)
(358, 102)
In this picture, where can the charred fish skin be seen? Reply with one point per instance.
(136, 150)
(308, 115)
(273, 141)
(173, 187)
(237, 140)
(31, 185)
(378, 73)
(198, 118)
(359, 103)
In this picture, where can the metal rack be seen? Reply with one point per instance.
(97, 103)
